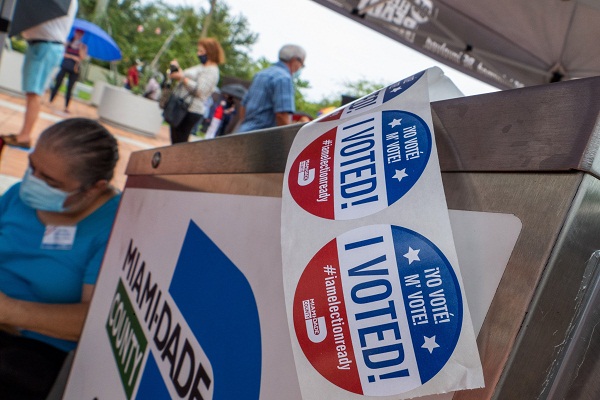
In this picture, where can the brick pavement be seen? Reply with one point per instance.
(13, 161)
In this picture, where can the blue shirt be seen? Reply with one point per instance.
(46, 275)
(271, 91)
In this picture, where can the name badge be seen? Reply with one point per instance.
(59, 237)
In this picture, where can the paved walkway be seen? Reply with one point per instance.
(13, 161)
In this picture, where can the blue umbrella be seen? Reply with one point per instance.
(100, 44)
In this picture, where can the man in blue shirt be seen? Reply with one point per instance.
(270, 99)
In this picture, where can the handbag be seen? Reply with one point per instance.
(176, 109)
(165, 93)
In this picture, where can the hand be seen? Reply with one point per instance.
(177, 75)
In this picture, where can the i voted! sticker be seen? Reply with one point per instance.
(378, 310)
(362, 166)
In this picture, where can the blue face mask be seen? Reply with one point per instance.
(37, 194)
(202, 58)
(296, 74)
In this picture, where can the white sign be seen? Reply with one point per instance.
(189, 303)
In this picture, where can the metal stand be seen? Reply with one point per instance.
(530, 152)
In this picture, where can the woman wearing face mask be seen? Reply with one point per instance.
(54, 226)
(196, 84)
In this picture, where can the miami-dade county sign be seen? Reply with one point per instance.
(184, 307)
(374, 293)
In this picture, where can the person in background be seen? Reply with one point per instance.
(197, 82)
(133, 75)
(270, 98)
(75, 52)
(44, 53)
(229, 110)
(54, 227)
(152, 89)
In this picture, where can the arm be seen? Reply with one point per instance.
(63, 321)
(283, 101)
(82, 55)
(83, 49)
(199, 83)
(283, 118)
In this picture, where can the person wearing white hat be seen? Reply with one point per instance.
(270, 98)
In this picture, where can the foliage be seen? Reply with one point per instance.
(18, 44)
(159, 20)
(112, 78)
(236, 39)
(361, 88)
(312, 108)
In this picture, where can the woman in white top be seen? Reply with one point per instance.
(196, 84)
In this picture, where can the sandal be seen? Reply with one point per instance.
(11, 140)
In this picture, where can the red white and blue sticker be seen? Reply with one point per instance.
(375, 99)
(362, 166)
(378, 310)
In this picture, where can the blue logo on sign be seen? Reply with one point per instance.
(406, 150)
(218, 304)
(152, 385)
(432, 299)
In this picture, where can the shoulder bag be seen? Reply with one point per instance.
(176, 109)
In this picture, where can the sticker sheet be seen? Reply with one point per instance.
(373, 289)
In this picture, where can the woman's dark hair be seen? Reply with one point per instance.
(90, 149)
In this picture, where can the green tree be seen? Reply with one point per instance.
(361, 87)
(158, 19)
(310, 107)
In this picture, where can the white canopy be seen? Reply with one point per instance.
(506, 43)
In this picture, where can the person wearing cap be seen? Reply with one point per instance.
(270, 98)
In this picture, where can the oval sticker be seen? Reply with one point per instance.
(378, 310)
(362, 166)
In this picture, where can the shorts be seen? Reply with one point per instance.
(41, 59)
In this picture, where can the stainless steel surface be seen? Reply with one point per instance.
(555, 305)
(528, 152)
(246, 184)
(259, 152)
(543, 128)
(574, 373)
(541, 202)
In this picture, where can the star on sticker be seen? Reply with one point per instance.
(429, 343)
(395, 122)
(400, 174)
(412, 255)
